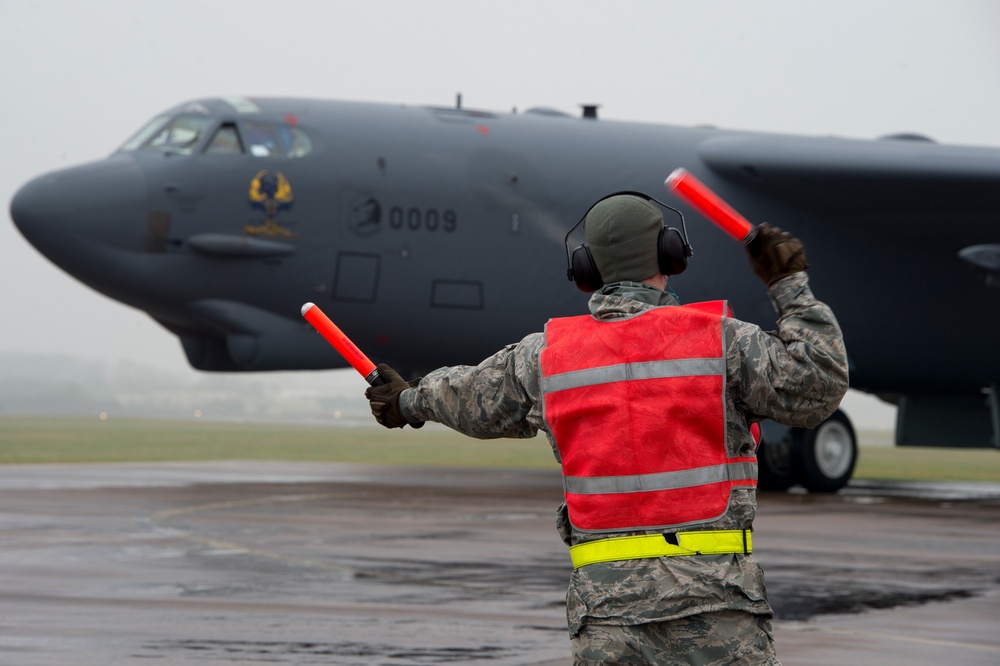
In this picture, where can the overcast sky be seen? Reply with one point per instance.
(80, 77)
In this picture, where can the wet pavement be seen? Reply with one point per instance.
(302, 563)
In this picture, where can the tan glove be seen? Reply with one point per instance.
(775, 254)
(384, 399)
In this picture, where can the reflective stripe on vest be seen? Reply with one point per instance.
(688, 367)
(636, 407)
(638, 483)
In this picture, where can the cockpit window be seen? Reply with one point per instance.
(147, 131)
(271, 140)
(182, 133)
(299, 143)
(174, 135)
(225, 142)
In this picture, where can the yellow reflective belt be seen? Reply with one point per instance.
(656, 545)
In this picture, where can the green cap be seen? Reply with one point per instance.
(623, 232)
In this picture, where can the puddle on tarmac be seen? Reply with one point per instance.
(798, 604)
(345, 652)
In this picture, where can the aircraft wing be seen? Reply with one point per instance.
(876, 177)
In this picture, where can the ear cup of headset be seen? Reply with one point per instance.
(585, 273)
(670, 251)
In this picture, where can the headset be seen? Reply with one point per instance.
(672, 249)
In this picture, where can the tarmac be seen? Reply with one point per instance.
(305, 563)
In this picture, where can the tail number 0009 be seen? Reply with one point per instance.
(429, 219)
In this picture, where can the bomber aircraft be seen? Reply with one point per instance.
(436, 235)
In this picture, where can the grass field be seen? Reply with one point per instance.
(36, 440)
(53, 440)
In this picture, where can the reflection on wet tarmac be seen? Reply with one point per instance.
(925, 490)
(322, 653)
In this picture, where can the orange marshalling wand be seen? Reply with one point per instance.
(710, 204)
(341, 343)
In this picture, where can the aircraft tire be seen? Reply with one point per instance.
(776, 468)
(827, 454)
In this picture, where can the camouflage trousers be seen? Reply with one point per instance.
(723, 638)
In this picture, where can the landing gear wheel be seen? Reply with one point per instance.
(827, 454)
(775, 463)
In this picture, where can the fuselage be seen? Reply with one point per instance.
(435, 236)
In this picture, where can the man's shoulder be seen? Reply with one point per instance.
(530, 346)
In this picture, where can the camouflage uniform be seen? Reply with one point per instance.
(796, 376)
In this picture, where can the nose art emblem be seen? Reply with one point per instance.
(272, 194)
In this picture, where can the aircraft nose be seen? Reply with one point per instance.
(104, 203)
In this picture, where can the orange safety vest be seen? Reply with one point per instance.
(637, 409)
